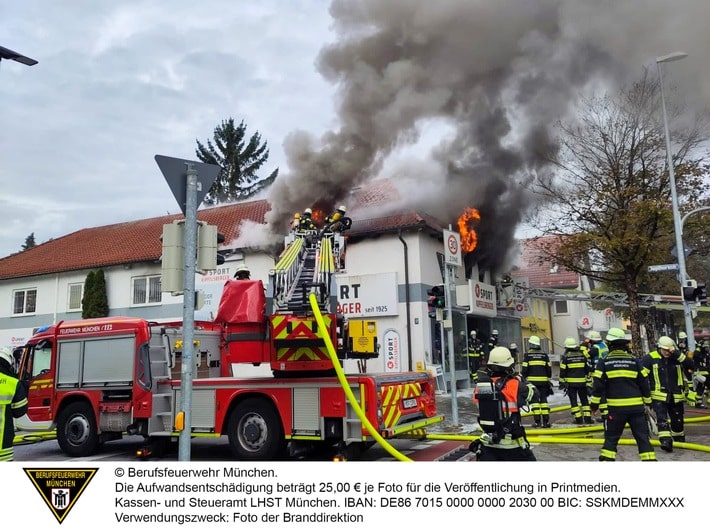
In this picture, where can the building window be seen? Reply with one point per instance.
(24, 301)
(561, 308)
(76, 293)
(146, 290)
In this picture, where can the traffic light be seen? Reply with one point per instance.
(436, 297)
(690, 287)
(173, 258)
(702, 294)
(208, 258)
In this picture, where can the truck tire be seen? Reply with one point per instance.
(76, 430)
(255, 431)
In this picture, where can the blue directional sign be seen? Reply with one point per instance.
(175, 172)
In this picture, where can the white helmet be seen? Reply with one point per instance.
(242, 269)
(6, 355)
(534, 341)
(342, 209)
(682, 335)
(308, 211)
(594, 336)
(571, 343)
(615, 334)
(513, 345)
(501, 357)
(666, 342)
(494, 332)
(473, 334)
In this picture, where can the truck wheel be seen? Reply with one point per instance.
(255, 431)
(76, 430)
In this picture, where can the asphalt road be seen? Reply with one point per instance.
(442, 443)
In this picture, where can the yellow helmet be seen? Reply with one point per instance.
(615, 334)
(534, 341)
(571, 343)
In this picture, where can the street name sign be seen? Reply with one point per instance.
(663, 268)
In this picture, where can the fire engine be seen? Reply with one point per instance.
(95, 380)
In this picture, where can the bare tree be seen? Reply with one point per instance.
(609, 200)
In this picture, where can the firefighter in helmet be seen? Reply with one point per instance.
(664, 369)
(574, 370)
(536, 368)
(475, 352)
(620, 378)
(597, 349)
(13, 403)
(500, 394)
(242, 273)
(337, 221)
(295, 222)
(306, 223)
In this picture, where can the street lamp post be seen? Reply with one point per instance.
(677, 226)
(6, 53)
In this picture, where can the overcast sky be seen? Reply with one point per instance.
(335, 90)
(118, 82)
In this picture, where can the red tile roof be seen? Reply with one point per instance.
(122, 243)
(139, 240)
(543, 273)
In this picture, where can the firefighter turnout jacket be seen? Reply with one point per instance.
(13, 404)
(536, 368)
(665, 376)
(574, 369)
(499, 399)
(621, 380)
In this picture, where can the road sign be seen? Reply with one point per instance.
(175, 172)
(452, 248)
(663, 268)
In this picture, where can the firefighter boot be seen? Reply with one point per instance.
(666, 444)
(578, 421)
(537, 423)
(546, 422)
(587, 420)
(679, 438)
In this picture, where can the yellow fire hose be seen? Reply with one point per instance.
(323, 331)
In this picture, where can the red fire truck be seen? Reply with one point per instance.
(95, 380)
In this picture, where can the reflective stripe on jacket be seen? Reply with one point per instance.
(620, 379)
(665, 377)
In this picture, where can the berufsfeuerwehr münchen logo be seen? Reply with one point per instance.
(60, 488)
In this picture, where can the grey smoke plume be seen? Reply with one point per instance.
(498, 73)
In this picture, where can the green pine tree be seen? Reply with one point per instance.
(239, 159)
(94, 304)
(29, 242)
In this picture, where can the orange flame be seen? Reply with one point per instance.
(466, 223)
(318, 216)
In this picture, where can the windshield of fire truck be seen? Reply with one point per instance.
(37, 360)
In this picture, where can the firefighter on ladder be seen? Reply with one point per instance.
(574, 371)
(664, 369)
(337, 221)
(536, 368)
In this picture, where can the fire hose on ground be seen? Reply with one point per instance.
(346, 386)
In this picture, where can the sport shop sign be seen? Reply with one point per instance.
(362, 296)
(483, 300)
